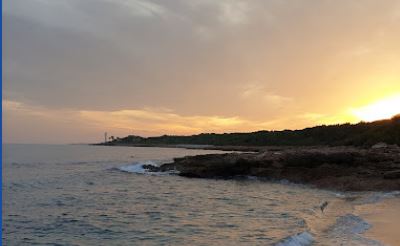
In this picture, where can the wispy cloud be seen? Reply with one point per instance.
(141, 7)
(259, 92)
(234, 12)
(146, 121)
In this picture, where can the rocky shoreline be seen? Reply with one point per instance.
(337, 168)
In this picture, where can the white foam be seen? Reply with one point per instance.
(350, 228)
(135, 168)
(351, 224)
(379, 196)
(301, 239)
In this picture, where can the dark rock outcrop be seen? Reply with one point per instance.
(340, 168)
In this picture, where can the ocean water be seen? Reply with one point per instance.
(96, 195)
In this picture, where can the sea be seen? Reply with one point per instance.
(101, 195)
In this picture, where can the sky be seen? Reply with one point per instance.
(74, 69)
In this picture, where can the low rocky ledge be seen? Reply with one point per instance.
(338, 168)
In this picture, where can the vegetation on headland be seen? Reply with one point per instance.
(360, 134)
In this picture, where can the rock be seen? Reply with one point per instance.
(151, 168)
(392, 175)
(341, 168)
(315, 159)
(380, 145)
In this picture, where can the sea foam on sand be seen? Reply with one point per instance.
(301, 239)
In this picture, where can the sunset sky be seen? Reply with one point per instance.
(73, 69)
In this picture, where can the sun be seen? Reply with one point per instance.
(382, 109)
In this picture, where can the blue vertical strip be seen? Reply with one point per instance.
(1, 124)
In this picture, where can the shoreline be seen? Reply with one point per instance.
(384, 217)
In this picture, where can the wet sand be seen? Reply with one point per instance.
(384, 217)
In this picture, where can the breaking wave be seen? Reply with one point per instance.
(300, 239)
(137, 167)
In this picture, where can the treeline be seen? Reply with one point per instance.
(361, 134)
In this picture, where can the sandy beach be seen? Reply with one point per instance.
(385, 220)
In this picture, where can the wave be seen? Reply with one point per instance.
(300, 239)
(137, 167)
(342, 224)
(350, 228)
(377, 197)
(350, 224)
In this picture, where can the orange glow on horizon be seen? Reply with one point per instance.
(382, 109)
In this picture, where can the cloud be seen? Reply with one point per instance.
(257, 91)
(161, 121)
(193, 56)
(145, 122)
(276, 99)
(234, 12)
(141, 7)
